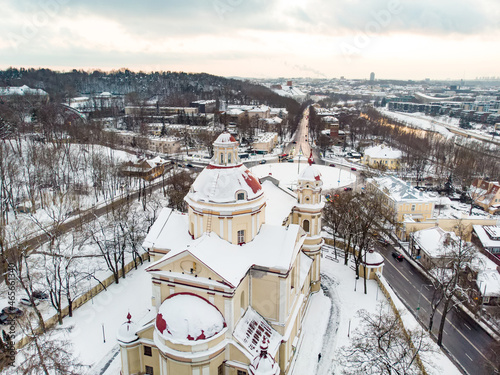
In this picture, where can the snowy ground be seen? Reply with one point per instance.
(332, 317)
(288, 173)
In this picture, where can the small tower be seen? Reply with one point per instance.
(264, 364)
(129, 345)
(307, 213)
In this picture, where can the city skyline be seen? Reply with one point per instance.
(396, 39)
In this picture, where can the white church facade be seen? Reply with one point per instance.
(230, 285)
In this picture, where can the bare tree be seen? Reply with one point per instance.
(449, 278)
(46, 354)
(381, 346)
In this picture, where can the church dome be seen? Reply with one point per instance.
(373, 259)
(184, 318)
(222, 185)
(310, 174)
(127, 331)
(224, 138)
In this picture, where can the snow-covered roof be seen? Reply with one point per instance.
(223, 139)
(251, 331)
(373, 259)
(310, 174)
(400, 191)
(383, 152)
(127, 331)
(279, 203)
(489, 283)
(220, 185)
(230, 262)
(264, 363)
(184, 317)
(434, 241)
(22, 90)
(488, 239)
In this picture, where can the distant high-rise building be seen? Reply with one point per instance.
(372, 77)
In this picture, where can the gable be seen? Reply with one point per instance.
(185, 263)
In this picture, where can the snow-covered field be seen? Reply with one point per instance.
(288, 173)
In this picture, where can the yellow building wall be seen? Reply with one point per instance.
(266, 294)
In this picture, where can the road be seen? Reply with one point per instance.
(84, 217)
(464, 339)
(300, 140)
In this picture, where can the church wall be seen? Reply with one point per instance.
(242, 293)
(133, 359)
(265, 290)
(237, 355)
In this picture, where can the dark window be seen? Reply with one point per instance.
(149, 370)
(147, 351)
(241, 372)
(220, 370)
(241, 196)
(305, 225)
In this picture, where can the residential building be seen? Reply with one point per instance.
(403, 198)
(265, 142)
(433, 247)
(230, 290)
(486, 194)
(381, 156)
(487, 238)
(145, 169)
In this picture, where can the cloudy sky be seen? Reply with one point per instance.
(407, 39)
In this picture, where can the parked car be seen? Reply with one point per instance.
(263, 161)
(38, 294)
(12, 310)
(382, 241)
(353, 169)
(348, 188)
(294, 142)
(397, 255)
(290, 160)
(26, 302)
(332, 165)
(4, 318)
(189, 165)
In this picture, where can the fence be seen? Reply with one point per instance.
(53, 320)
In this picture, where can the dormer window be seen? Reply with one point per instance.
(241, 196)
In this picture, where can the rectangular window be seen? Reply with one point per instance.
(241, 372)
(220, 370)
(413, 207)
(241, 236)
(147, 351)
(149, 370)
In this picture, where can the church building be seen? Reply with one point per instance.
(231, 278)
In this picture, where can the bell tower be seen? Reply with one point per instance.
(307, 214)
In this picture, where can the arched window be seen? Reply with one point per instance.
(243, 302)
(222, 158)
(305, 225)
(229, 158)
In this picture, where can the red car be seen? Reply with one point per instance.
(332, 165)
(353, 169)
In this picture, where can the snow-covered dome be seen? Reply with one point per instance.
(310, 174)
(264, 364)
(373, 259)
(185, 317)
(223, 139)
(222, 185)
(127, 331)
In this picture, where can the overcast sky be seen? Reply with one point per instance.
(407, 39)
